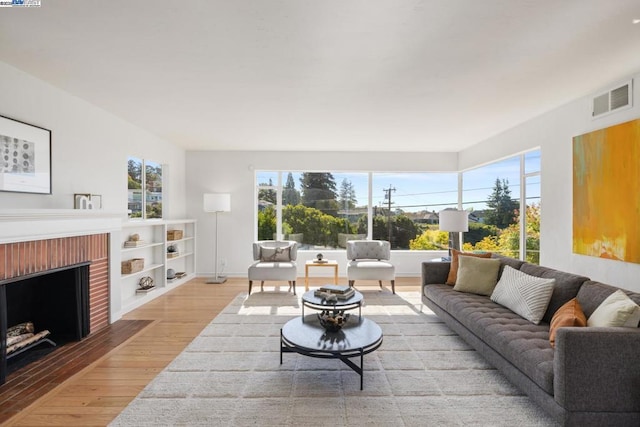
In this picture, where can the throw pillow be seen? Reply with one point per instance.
(570, 314)
(477, 275)
(453, 270)
(270, 254)
(616, 310)
(523, 294)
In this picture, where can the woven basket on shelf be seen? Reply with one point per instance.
(132, 266)
(174, 234)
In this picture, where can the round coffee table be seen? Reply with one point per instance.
(317, 303)
(307, 337)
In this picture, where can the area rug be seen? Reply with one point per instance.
(422, 375)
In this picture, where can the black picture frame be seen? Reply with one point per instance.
(25, 157)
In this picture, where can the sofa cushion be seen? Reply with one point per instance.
(565, 288)
(592, 294)
(453, 271)
(505, 260)
(616, 310)
(519, 341)
(476, 275)
(570, 314)
(526, 295)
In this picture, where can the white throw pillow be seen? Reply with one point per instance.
(616, 310)
(272, 254)
(523, 294)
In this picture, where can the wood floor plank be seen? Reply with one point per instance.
(118, 374)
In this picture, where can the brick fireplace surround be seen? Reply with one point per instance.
(36, 256)
(34, 241)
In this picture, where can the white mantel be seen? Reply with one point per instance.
(19, 225)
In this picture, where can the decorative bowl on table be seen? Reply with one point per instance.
(333, 320)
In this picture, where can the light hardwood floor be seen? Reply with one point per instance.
(97, 394)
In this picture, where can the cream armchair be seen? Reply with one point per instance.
(275, 260)
(369, 260)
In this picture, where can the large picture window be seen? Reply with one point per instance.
(323, 210)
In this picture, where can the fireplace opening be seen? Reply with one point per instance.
(55, 300)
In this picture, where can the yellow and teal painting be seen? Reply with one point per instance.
(606, 193)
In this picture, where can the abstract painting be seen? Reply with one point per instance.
(606, 193)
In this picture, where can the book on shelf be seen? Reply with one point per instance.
(344, 296)
(134, 243)
(336, 289)
(173, 254)
(145, 291)
(180, 274)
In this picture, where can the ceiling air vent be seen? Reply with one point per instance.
(613, 100)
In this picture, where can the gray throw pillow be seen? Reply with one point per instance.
(523, 294)
(271, 254)
(477, 275)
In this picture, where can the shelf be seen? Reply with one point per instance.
(144, 270)
(176, 282)
(184, 239)
(180, 256)
(150, 245)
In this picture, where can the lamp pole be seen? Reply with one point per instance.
(216, 203)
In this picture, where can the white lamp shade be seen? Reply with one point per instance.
(454, 220)
(217, 202)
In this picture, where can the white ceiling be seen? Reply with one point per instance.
(346, 75)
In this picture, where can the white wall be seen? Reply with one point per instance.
(234, 172)
(553, 133)
(89, 148)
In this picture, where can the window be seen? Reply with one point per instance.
(531, 196)
(316, 209)
(153, 189)
(144, 201)
(326, 209)
(406, 207)
(323, 210)
(495, 195)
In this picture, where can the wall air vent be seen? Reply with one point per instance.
(613, 100)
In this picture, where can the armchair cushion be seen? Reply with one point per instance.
(368, 249)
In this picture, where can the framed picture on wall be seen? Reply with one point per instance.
(25, 157)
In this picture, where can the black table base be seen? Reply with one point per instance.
(345, 356)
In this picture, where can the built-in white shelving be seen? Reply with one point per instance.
(157, 261)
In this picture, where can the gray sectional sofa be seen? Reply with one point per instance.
(590, 378)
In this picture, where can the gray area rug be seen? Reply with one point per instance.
(422, 375)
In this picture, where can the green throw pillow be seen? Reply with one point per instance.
(477, 275)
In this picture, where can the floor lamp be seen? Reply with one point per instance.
(454, 221)
(216, 203)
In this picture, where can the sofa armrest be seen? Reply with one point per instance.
(435, 272)
(597, 369)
